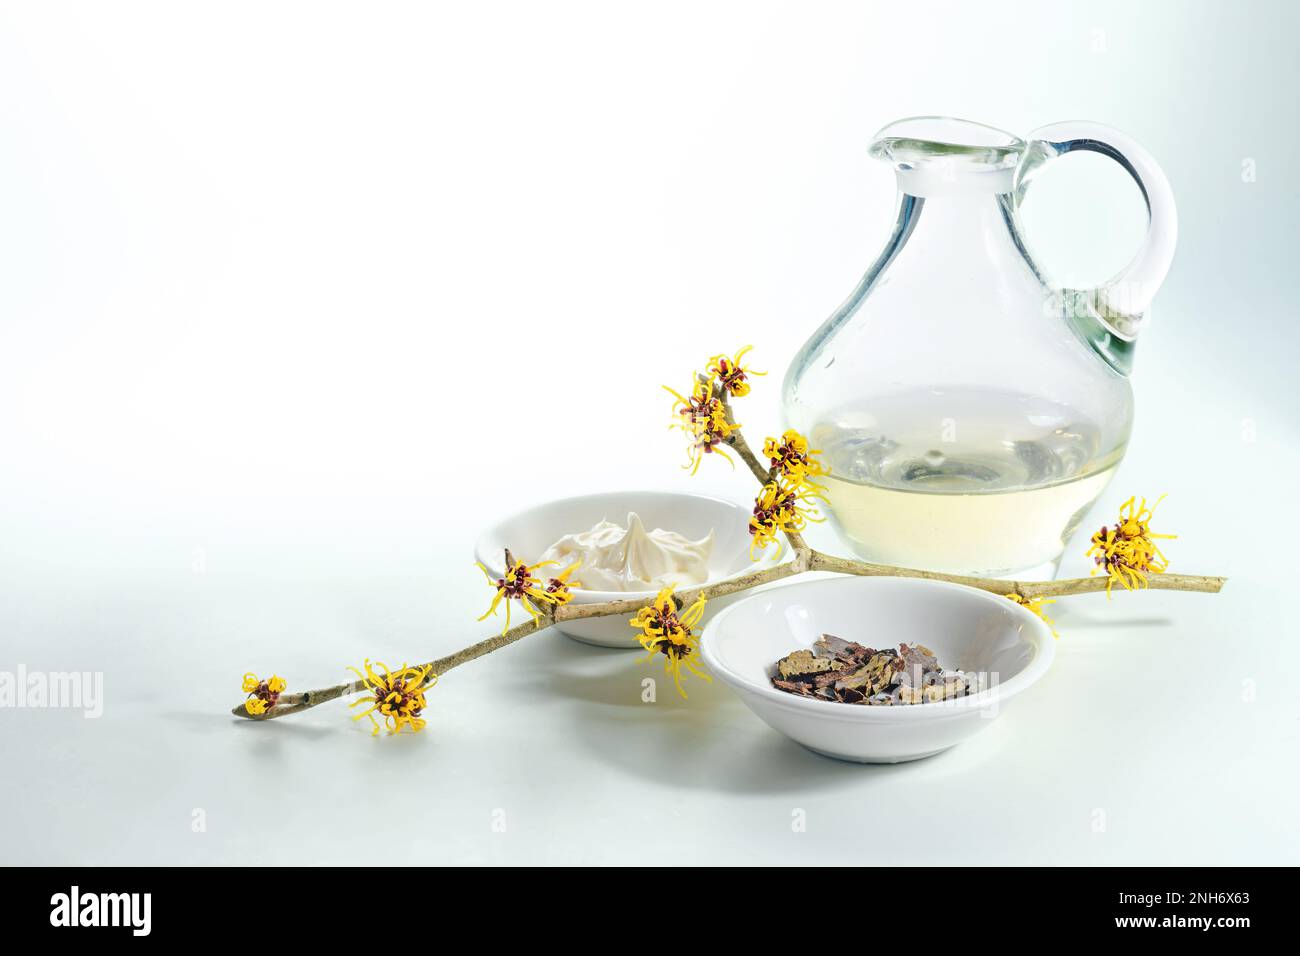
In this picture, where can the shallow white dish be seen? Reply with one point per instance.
(967, 629)
(529, 533)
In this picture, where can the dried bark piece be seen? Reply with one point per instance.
(847, 672)
(945, 690)
(848, 652)
(830, 677)
(917, 662)
(910, 695)
(828, 645)
(802, 688)
(804, 662)
(883, 669)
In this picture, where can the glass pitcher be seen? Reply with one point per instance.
(970, 411)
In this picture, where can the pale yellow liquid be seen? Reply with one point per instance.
(996, 487)
(985, 534)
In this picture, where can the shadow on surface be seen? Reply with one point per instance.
(709, 742)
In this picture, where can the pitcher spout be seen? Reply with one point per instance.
(938, 155)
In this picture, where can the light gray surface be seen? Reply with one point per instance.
(272, 275)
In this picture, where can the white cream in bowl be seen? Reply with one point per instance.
(530, 533)
(627, 557)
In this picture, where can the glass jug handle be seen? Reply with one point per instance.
(1120, 304)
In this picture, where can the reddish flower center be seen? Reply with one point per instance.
(404, 700)
(516, 585)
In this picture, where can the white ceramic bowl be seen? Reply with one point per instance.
(967, 629)
(529, 533)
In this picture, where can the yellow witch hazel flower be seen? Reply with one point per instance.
(704, 417)
(1035, 605)
(1126, 551)
(782, 505)
(262, 694)
(522, 583)
(792, 457)
(666, 631)
(557, 588)
(397, 696)
(730, 374)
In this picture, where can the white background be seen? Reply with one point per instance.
(294, 298)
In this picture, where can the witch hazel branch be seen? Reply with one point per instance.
(790, 496)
